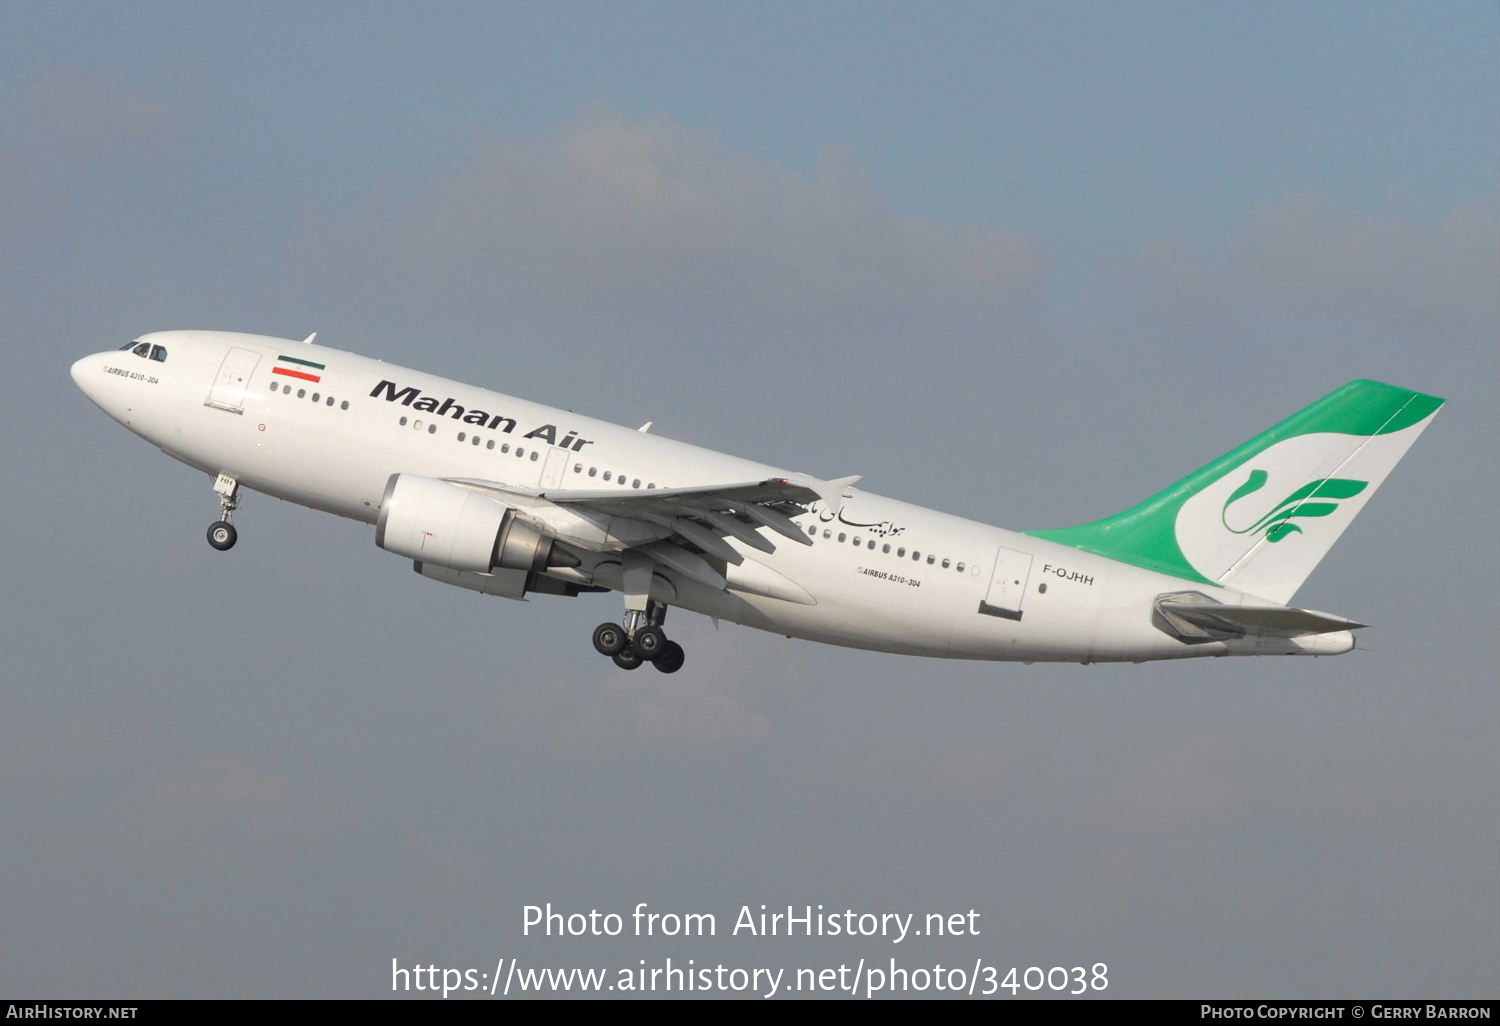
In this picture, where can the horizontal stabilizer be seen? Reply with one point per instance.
(1193, 615)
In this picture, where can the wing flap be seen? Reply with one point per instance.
(689, 564)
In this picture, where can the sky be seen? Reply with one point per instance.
(1023, 262)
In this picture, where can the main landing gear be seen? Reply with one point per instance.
(221, 533)
(639, 642)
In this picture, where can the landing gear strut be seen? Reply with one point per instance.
(640, 639)
(221, 534)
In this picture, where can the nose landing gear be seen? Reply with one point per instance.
(221, 533)
(636, 642)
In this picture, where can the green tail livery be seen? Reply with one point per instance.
(1327, 460)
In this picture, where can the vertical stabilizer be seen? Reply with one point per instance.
(1261, 517)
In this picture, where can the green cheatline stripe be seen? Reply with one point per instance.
(305, 363)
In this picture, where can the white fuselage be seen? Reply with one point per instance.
(881, 574)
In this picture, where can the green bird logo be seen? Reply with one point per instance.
(1316, 499)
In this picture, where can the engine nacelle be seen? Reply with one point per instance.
(438, 522)
(511, 584)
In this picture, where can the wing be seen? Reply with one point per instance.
(678, 527)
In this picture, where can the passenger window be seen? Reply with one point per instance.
(158, 354)
(520, 451)
(330, 401)
(505, 447)
(607, 474)
(843, 536)
(856, 541)
(490, 444)
(885, 549)
(959, 568)
(593, 471)
(534, 455)
(813, 530)
(827, 533)
(462, 436)
(871, 545)
(901, 552)
(916, 556)
(317, 397)
(273, 386)
(432, 429)
(417, 424)
(931, 560)
(578, 468)
(344, 405)
(403, 422)
(476, 439)
(301, 393)
(636, 483)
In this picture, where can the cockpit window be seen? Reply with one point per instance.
(144, 349)
(159, 354)
(127, 345)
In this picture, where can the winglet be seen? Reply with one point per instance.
(309, 339)
(645, 427)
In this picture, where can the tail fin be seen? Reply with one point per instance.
(1261, 517)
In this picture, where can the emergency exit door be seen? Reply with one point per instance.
(1007, 584)
(557, 462)
(228, 392)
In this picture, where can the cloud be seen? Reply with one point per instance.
(79, 116)
(75, 131)
(1321, 259)
(627, 716)
(613, 218)
(1192, 782)
(29, 203)
(940, 769)
(220, 781)
(1306, 259)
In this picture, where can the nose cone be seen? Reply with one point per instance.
(87, 373)
(94, 379)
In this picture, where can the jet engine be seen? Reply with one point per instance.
(446, 524)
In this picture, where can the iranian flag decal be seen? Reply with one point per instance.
(292, 367)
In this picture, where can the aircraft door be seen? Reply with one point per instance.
(1007, 584)
(228, 392)
(557, 464)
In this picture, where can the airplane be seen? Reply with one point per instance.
(511, 498)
